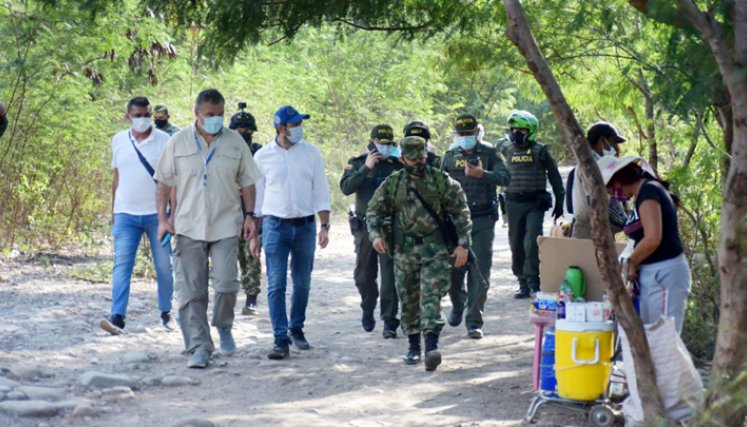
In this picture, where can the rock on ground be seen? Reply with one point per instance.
(101, 380)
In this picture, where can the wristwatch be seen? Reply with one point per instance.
(250, 213)
(325, 226)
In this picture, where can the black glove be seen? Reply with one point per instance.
(557, 211)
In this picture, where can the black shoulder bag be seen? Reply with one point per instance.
(145, 163)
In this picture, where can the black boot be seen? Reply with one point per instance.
(413, 353)
(523, 291)
(432, 355)
(368, 321)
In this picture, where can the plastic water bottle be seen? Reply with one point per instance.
(575, 279)
(561, 307)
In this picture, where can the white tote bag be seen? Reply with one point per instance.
(680, 385)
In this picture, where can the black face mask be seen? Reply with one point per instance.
(416, 170)
(247, 137)
(519, 138)
(160, 123)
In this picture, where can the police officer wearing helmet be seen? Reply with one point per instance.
(251, 267)
(243, 122)
(531, 165)
(421, 129)
(479, 168)
(362, 176)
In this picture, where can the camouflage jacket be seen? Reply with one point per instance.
(394, 197)
(170, 129)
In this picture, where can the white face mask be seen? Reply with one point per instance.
(295, 135)
(141, 124)
(609, 152)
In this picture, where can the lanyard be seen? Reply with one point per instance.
(205, 159)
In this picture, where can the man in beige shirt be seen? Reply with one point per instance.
(208, 165)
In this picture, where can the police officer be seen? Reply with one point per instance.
(251, 268)
(421, 258)
(478, 167)
(161, 119)
(421, 129)
(531, 165)
(362, 176)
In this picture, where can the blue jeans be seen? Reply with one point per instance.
(280, 240)
(127, 231)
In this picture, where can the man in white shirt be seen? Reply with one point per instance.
(135, 153)
(292, 189)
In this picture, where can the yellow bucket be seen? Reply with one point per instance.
(582, 358)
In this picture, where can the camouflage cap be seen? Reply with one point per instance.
(161, 108)
(465, 123)
(383, 133)
(413, 147)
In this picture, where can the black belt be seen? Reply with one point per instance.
(523, 196)
(294, 221)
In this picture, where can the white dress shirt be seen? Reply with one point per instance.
(136, 191)
(292, 182)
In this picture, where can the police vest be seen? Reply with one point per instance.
(479, 193)
(526, 167)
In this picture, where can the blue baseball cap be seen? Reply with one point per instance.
(287, 114)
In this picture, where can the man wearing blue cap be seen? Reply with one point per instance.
(291, 191)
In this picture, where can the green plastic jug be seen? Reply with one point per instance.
(576, 280)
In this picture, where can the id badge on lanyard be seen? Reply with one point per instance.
(205, 159)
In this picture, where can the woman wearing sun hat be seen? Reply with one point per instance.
(658, 261)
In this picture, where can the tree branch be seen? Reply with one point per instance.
(385, 29)
(713, 34)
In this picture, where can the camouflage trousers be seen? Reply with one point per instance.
(251, 268)
(421, 274)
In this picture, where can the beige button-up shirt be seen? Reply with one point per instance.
(207, 209)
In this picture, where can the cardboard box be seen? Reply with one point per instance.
(594, 312)
(575, 311)
(558, 253)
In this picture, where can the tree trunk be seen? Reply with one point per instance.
(521, 35)
(731, 343)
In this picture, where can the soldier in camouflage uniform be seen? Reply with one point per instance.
(251, 267)
(363, 175)
(161, 119)
(531, 165)
(479, 168)
(421, 259)
(421, 129)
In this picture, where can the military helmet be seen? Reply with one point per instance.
(524, 120)
(242, 119)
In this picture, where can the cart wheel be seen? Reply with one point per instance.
(601, 416)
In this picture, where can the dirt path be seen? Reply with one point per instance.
(49, 337)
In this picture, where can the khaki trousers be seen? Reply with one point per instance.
(191, 274)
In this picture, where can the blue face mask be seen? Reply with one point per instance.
(387, 150)
(467, 142)
(213, 125)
